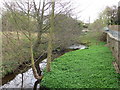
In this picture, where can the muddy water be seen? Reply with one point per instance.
(27, 80)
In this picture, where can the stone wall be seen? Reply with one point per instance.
(114, 45)
(114, 27)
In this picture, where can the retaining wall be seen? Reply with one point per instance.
(114, 27)
(114, 45)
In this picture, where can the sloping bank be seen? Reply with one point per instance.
(87, 68)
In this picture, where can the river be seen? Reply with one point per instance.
(27, 80)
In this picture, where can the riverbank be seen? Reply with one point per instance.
(26, 79)
(88, 68)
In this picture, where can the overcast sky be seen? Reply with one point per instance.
(89, 8)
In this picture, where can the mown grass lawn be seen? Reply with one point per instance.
(88, 68)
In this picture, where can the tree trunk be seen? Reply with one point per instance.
(36, 75)
(49, 57)
(38, 41)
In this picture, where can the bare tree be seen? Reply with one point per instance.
(28, 30)
(39, 22)
(30, 17)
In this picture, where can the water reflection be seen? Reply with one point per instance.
(27, 80)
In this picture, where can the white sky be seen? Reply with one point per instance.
(91, 8)
(88, 8)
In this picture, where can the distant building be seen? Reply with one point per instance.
(85, 30)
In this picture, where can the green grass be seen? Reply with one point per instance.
(91, 38)
(88, 68)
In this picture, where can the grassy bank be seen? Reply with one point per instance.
(88, 68)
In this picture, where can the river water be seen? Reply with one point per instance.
(27, 80)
